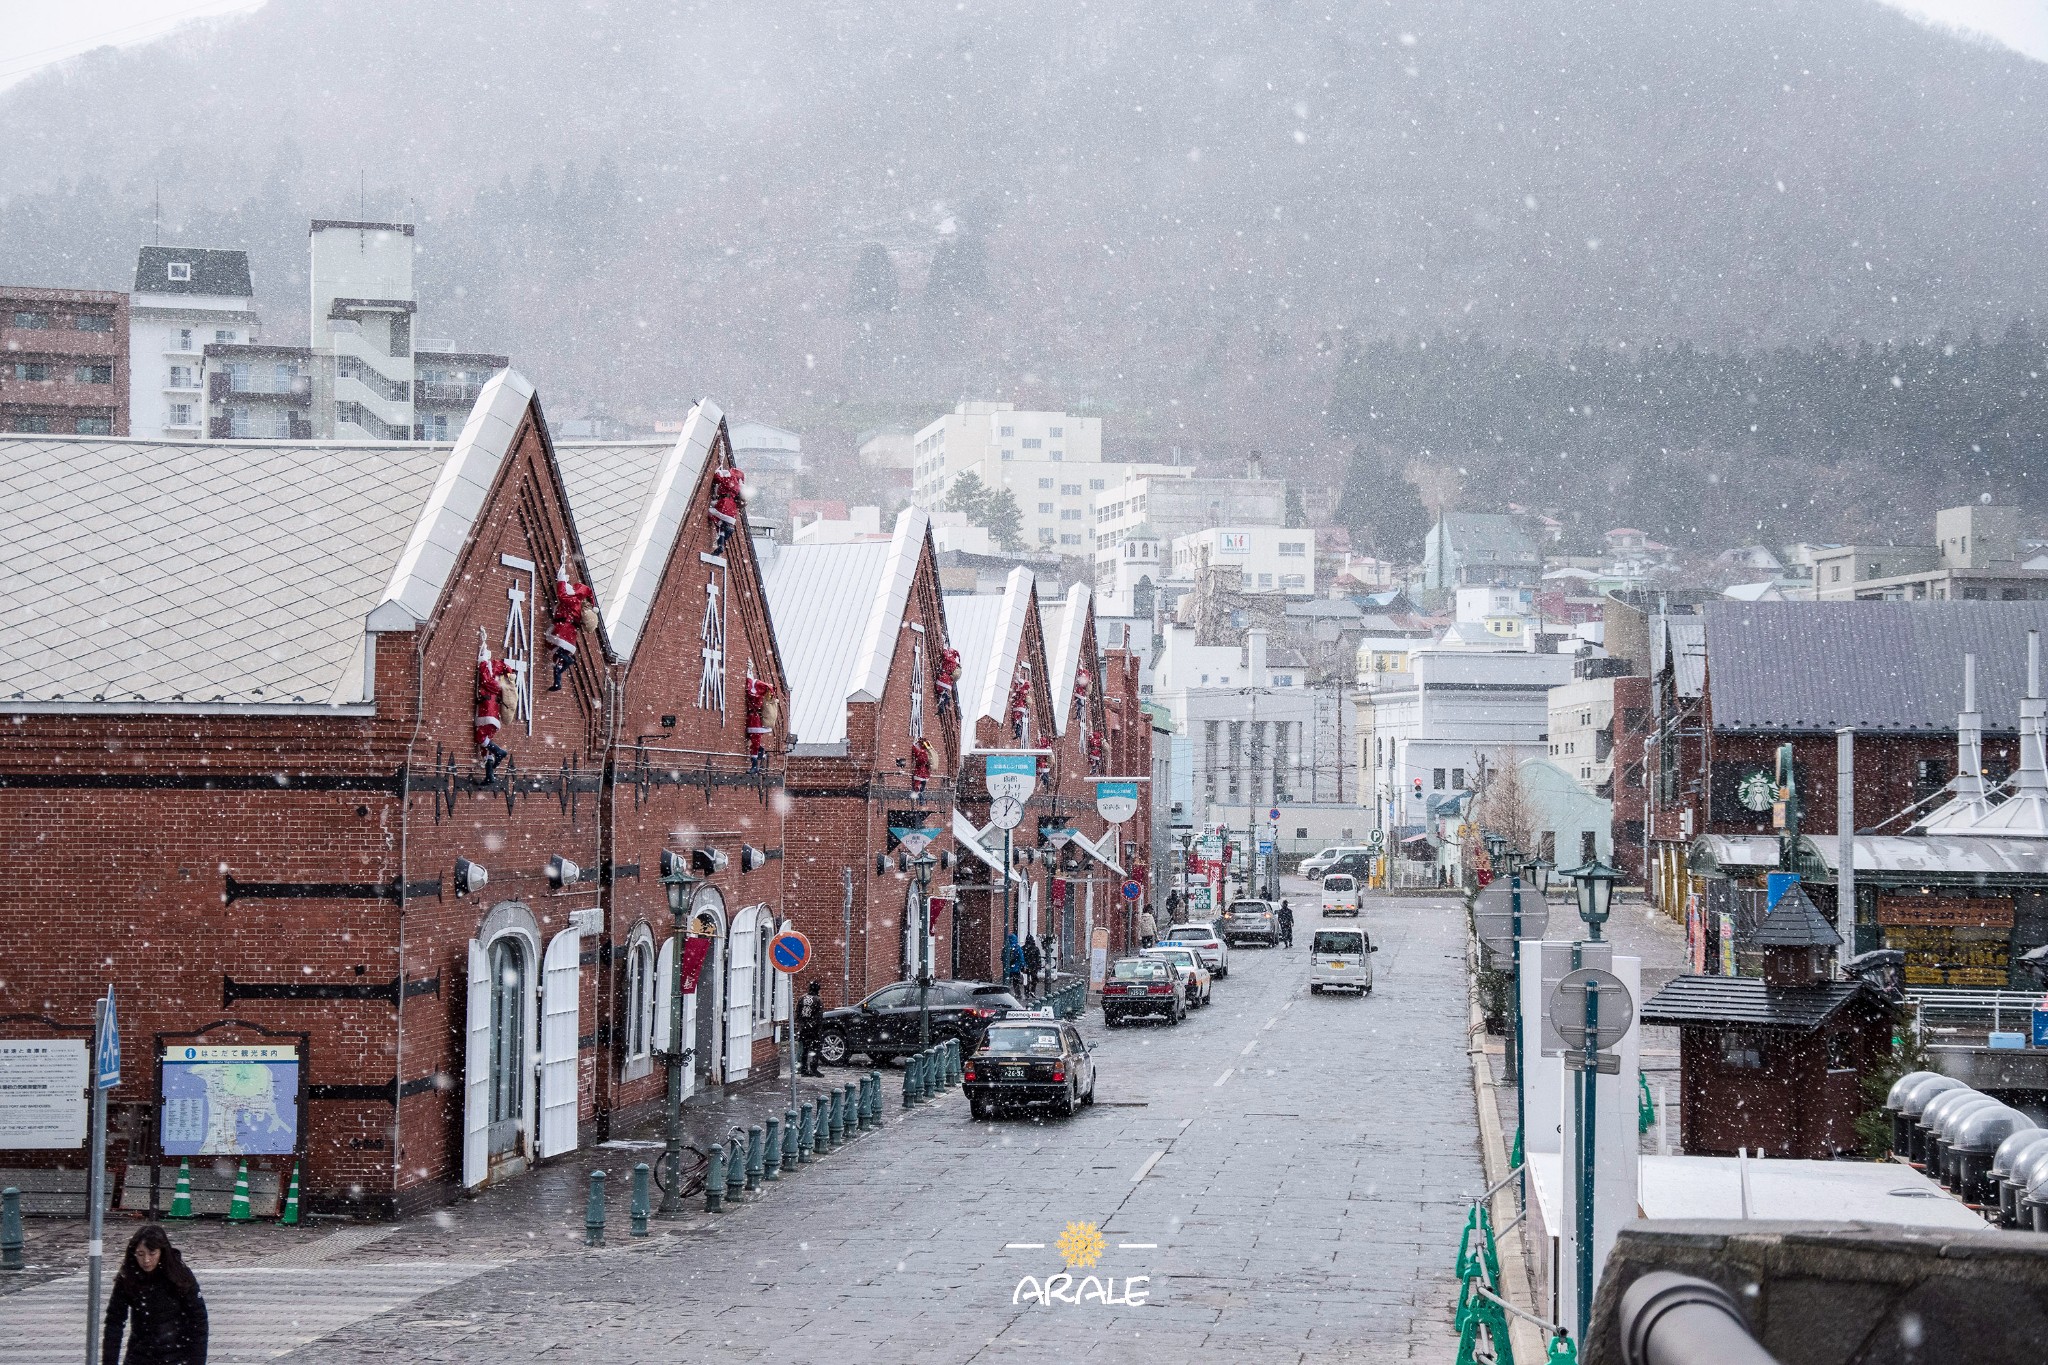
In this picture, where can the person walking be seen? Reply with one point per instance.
(1034, 962)
(157, 1304)
(810, 1030)
(1286, 925)
(1148, 928)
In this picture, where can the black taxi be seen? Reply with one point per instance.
(1029, 1057)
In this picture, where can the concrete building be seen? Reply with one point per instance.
(1424, 738)
(1171, 502)
(185, 299)
(1272, 559)
(63, 361)
(1050, 461)
(1977, 557)
(1128, 573)
(774, 462)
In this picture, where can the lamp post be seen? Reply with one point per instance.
(1251, 794)
(1593, 881)
(681, 885)
(924, 863)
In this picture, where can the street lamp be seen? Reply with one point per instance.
(1539, 872)
(681, 885)
(1594, 885)
(924, 863)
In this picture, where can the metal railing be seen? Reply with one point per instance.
(1067, 998)
(1995, 1005)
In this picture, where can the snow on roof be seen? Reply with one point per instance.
(154, 575)
(818, 595)
(1063, 624)
(988, 630)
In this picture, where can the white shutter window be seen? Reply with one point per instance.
(559, 1019)
(690, 1027)
(664, 994)
(739, 996)
(476, 1074)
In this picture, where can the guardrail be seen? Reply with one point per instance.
(1066, 1000)
(1994, 1005)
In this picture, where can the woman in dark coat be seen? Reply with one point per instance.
(158, 1302)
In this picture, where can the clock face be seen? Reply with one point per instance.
(1007, 812)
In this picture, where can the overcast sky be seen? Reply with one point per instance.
(36, 36)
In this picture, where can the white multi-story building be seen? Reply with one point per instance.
(1128, 574)
(1426, 735)
(1050, 461)
(362, 311)
(185, 299)
(1276, 559)
(1172, 502)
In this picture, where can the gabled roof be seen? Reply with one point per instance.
(1794, 922)
(838, 612)
(1879, 666)
(989, 633)
(1747, 1000)
(1063, 624)
(221, 273)
(628, 502)
(161, 575)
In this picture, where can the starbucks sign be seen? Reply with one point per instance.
(1757, 791)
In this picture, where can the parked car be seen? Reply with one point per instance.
(1340, 894)
(1340, 959)
(1200, 981)
(1143, 985)
(1252, 921)
(1029, 1058)
(1319, 864)
(1207, 943)
(885, 1024)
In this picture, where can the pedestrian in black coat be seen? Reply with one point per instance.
(1034, 962)
(157, 1302)
(1286, 924)
(810, 1030)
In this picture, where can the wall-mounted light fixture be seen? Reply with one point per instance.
(470, 876)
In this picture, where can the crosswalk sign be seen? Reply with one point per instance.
(107, 1062)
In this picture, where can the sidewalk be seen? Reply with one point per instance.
(536, 1214)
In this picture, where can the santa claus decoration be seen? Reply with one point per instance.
(1020, 701)
(1096, 752)
(575, 609)
(764, 708)
(947, 678)
(728, 504)
(920, 766)
(1083, 680)
(496, 691)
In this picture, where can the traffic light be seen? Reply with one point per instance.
(1418, 789)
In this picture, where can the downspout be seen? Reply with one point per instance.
(607, 853)
(419, 725)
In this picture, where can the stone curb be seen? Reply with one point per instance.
(1528, 1343)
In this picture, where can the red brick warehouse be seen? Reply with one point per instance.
(244, 743)
(696, 738)
(876, 749)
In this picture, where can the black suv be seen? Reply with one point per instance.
(885, 1024)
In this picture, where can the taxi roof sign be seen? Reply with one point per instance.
(1041, 1013)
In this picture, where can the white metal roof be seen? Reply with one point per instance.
(1738, 850)
(1954, 856)
(626, 565)
(885, 621)
(168, 575)
(1063, 624)
(1684, 638)
(986, 678)
(822, 599)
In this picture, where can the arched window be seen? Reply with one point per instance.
(639, 995)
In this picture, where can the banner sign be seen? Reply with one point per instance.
(1011, 775)
(696, 947)
(1116, 802)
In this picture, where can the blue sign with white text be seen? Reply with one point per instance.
(107, 1064)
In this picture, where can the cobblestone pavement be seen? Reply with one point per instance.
(1277, 1179)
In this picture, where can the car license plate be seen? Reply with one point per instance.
(1013, 1073)
(1339, 964)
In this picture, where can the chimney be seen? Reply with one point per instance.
(1255, 468)
(2025, 815)
(1966, 804)
(1255, 657)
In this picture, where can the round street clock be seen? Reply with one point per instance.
(1756, 791)
(1006, 812)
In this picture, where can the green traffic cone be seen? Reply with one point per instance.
(291, 1200)
(238, 1207)
(181, 1200)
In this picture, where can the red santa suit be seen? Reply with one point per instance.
(762, 712)
(494, 683)
(920, 765)
(575, 607)
(947, 678)
(728, 502)
(1020, 703)
(1095, 753)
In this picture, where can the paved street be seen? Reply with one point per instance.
(1276, 1179)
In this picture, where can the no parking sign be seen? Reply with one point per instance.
(788, 951)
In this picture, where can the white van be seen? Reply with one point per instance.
(1340, 959)
(1340, 894)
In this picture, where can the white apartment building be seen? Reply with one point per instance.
(1050, 461)
(185, 299)
(1171, 502)
(1128, 574)
(362, 311)
(1275, 559)
(1582, 731)
(1426, 735)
